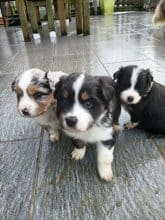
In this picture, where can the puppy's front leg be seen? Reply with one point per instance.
(53, 133)
(116, 116)
(130, 125)
(104, 159)
(79, 151)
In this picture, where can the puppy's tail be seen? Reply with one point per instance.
(159, 15)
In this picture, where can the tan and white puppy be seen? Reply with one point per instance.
(34, 90)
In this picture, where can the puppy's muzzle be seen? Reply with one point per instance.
(25, 112)
(71, 121)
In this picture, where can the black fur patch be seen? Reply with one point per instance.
(43, 83)
(109, 143)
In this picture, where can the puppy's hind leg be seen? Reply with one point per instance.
(130, 125)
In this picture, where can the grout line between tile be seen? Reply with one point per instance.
(35, 180)
(23, 139)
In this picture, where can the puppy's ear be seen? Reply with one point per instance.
(45, 82)
(149, 77)
(50, 81)
(13, 85)
(58, 86)
(53, 78)
(107, 90)
(108, 94)
(117, 74)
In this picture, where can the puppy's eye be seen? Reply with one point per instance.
(39, 95)
(88, 104)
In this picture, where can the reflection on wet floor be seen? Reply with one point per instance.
(38, 179)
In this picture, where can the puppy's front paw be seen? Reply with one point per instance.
(54, 137)
(117, 127)
(130, 125)
(105, 172)
(78, 154)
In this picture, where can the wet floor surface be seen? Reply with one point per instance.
(38, 180)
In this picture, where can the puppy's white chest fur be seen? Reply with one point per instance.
(94, 134)
(100, 131)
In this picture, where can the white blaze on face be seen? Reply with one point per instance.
(131, 91)
(26, 102)
(83, 116)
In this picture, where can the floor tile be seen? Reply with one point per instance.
(17, 173)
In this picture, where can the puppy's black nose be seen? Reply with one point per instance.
(25, 112)
(130, 98)
(71, 121)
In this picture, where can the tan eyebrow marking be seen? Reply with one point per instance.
(32, 89)
(84, 95)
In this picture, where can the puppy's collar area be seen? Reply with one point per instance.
(105, 120)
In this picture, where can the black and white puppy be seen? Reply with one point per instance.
(142, 98)
(35, 98)
(85, 109)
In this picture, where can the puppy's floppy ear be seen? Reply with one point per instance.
(48, 82)
(108, 93)
(117, 74)
(149, 76)
(13, 85)
(58, 85)
(53, 78)
(107, 90)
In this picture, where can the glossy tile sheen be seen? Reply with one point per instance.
(38, 180)
(87, 63)
(156, 70)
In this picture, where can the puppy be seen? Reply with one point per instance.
(35, 98)
(159, 15)
(85, 109)
(142, 98)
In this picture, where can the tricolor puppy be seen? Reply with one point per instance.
(35, 98)
(159, 15)
(142, 97)
(85, 109)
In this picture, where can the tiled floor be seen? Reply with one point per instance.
(39, 180)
